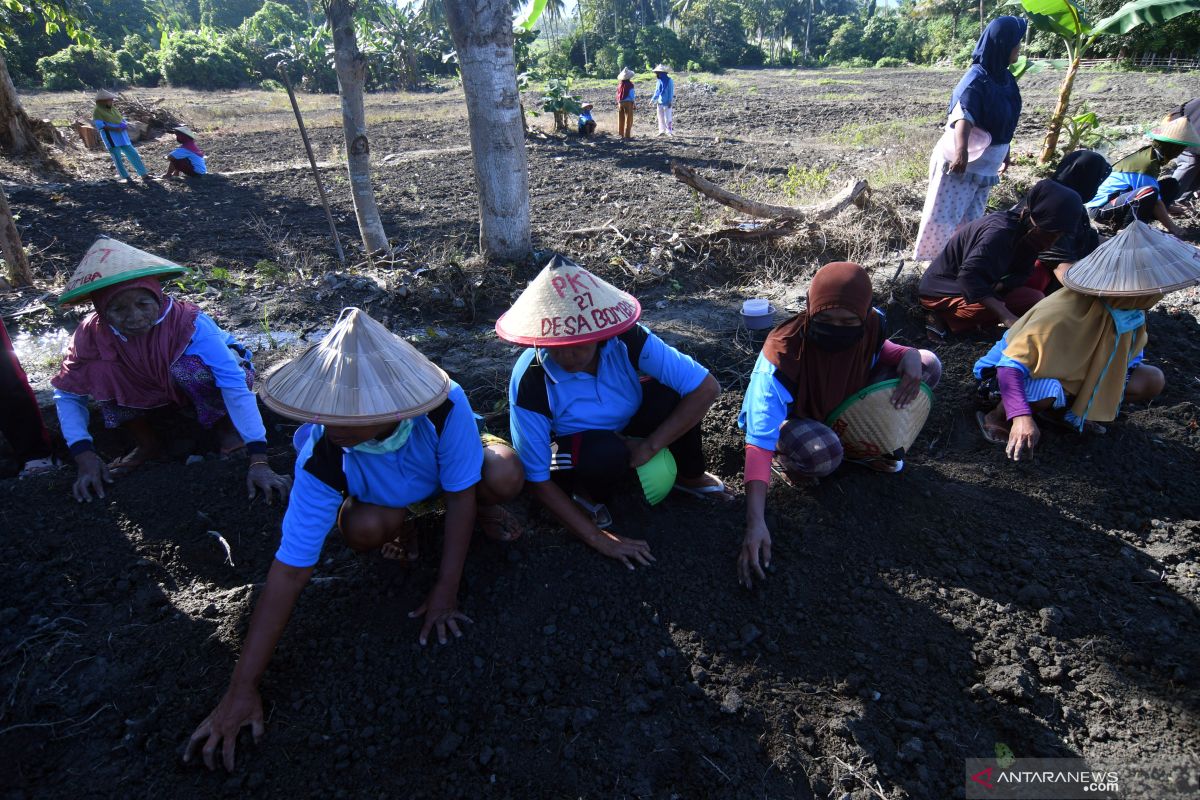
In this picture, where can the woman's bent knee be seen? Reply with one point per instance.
(365, 526)
(503, 473)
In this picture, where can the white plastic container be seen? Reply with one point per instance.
(756, 307)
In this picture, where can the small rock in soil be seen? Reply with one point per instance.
(750, 633)
(1010, 681)
(732, 703)
(446, 747)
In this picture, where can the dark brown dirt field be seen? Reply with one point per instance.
(909, 622)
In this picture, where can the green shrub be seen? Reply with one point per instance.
(203, 60)
(79, 66)
(137, 62)
(889, 62)
(858, 62)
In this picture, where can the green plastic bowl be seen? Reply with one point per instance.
(658, 476)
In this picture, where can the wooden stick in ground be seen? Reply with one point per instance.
(19, 273)
(287, 83)
(855, 193)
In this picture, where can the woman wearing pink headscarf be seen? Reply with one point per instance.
(141, 350)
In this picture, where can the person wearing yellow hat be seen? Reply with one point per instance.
(595, 395)
(142, 349)
(188, 158)
(384, 428)
(1134, 189)
(114, 132)
(1077, 355)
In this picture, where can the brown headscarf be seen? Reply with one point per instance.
(819, 380)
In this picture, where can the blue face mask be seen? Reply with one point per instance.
(1126, 320)
(391, 444)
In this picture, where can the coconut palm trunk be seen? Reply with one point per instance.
(19, 273)
(16, 129)
(483, 38)
(351, 70)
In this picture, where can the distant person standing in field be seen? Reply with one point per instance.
(983, 114)
(188, 158)
(664, 100)
(113, 130)
(625, 103)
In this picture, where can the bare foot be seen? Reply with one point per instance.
(228, 439)
(133, 459)
(498, 523)
(405, 547)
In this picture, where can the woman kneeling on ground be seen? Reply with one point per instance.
(597, 395)
(188, 158)
(142, 349)
(1077, 355)
(979, 280)
(807, 367)
(385, 428)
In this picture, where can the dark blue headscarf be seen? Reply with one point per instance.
(988, 92)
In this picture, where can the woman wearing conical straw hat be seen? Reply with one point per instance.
(114, 132)
(1134, 190)
(384, 429)
(142, 349)
(808, 366)
(1077, 355)
(582, 417)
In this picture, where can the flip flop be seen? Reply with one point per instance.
(704, 491)
(597, 511)
(40, 466)
(935, 331)
(887, 465)
(988, 431)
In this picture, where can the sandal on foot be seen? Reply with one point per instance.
(498, 524)
(989, 430)
(40, 466)
(888, 465)
(1056, 421)
(935, 331)
(704, 492)
(597, 511)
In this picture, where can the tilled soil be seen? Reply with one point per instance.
(908, 621)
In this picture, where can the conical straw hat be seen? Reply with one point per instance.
(661, 68)
(105, 94)
(564, 305)
(359, 374)
(1137, 261)
(1178, 131)
(625, 74)
(109, 261)
(185, 130)
(871, 427)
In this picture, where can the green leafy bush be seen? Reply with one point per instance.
(79, 66)
(889, 62)
(558, 100)
(137, 62)
(203, 60)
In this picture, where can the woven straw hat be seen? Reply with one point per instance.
(661, 68)
(871, 427)
(564, 305)
(625, 74)
(107, 262)
(1177, 131)
(1137, 261)
(185, 130)
(105, 94)
(359, 374)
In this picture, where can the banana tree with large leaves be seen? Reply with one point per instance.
(1064, 19)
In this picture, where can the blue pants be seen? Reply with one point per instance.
(130, 153)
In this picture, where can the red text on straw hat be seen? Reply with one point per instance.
(574, 281)
(576, 324)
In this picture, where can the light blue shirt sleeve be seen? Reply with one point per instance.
(211, 345)
(765, 406)
(1119, 183)
(670, 367)
(311, 514)
(72, 416)
(109, 132)
(530, 430)
(460, 453)
(658, 92)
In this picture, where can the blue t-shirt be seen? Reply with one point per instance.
(580, 401)
(1119, 183)
(585, 116)
(197, 161)
(427, 464)
(664, 92)
(767, 402)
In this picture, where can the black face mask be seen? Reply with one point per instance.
(834, 338)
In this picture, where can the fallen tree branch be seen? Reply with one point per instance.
(855, 193)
